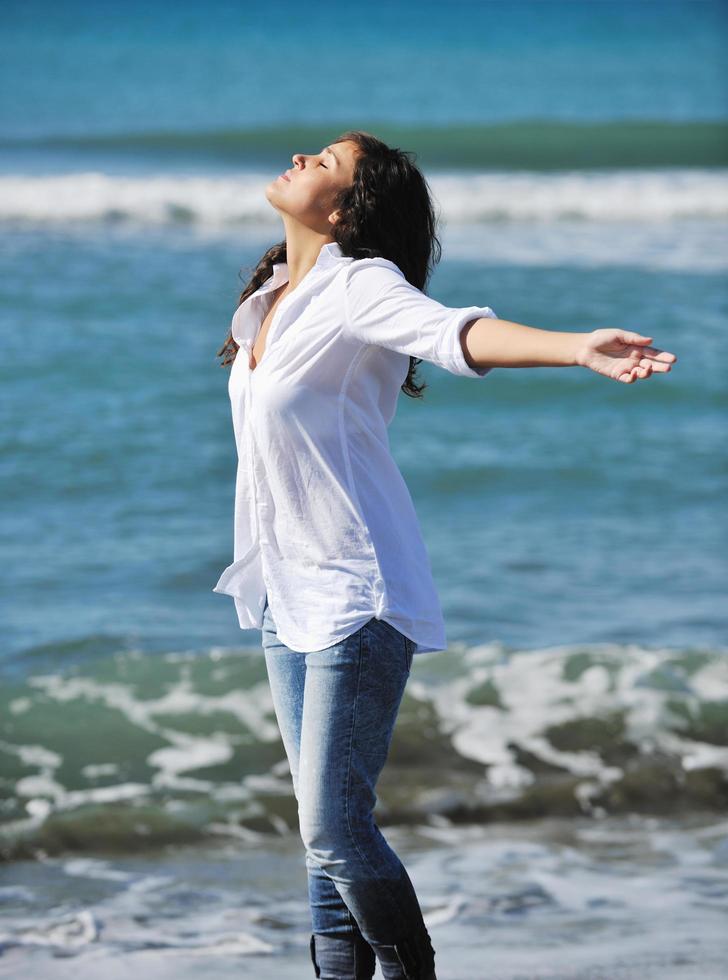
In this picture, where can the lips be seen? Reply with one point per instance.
(285, 177)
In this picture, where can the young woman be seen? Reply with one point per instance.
(328, 559)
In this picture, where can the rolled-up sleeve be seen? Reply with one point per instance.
(383, 308)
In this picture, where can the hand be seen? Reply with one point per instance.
(623, 356)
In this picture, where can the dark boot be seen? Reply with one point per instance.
(408, 959)
(342, 957)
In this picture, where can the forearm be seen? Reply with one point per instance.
(489, 342)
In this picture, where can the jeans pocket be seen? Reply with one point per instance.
(405, 643)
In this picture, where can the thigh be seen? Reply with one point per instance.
(286, 675)
(352, 695)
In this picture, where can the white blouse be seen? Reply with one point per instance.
(324, 523)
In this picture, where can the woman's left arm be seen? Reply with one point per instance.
(621, 355)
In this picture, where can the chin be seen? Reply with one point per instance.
(270, 198)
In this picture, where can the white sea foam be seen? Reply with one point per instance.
(472, 198)
(537, 694)
(661, 220)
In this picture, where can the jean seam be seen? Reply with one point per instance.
(362, 855)
(353, 925)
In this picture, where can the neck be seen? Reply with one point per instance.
(303, 247)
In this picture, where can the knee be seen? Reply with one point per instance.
(326, 839)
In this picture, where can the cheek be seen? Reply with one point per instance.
(311, 197)
(316, 196)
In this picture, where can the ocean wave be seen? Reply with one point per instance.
(539, 144)
(480, 198)
(483, 733)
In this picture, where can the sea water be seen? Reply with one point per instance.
(557, 784)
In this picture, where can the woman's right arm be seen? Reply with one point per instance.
(383, 308)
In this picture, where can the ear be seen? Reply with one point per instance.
(333, 217)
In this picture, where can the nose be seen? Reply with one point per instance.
(297, 158)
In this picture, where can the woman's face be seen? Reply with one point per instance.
(307, 191)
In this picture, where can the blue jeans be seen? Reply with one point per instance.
(336, 709)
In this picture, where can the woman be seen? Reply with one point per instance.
(329, 561)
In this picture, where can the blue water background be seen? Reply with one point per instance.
(557, 507)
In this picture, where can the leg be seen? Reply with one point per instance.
(340, 943)
(352, 693)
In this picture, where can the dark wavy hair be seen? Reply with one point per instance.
(388, 212)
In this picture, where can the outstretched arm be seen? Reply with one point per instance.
(621, 355)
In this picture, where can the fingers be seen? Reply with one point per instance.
(628, 337)
(651, 359)
(636, 373)
(657, 355)
(642, 361)
(658, 367)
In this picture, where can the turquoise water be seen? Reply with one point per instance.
(91, 69)
(576, 527)
(557, 507)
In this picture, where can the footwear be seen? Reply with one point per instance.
(407, 960)
(342, 957)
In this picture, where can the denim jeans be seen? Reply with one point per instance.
(336, 709)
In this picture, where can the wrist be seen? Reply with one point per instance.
(581, 349)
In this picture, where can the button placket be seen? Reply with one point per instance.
(251, 448)
(250, 456)
(275, 322)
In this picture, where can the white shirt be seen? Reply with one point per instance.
(324, 522)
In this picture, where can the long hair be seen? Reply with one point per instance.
(387, 212)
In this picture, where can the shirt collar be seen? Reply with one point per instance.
(331, 254)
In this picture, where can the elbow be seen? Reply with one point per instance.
(467, 343)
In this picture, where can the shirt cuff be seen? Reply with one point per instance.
(453, 348)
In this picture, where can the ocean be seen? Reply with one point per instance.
(558, 780)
